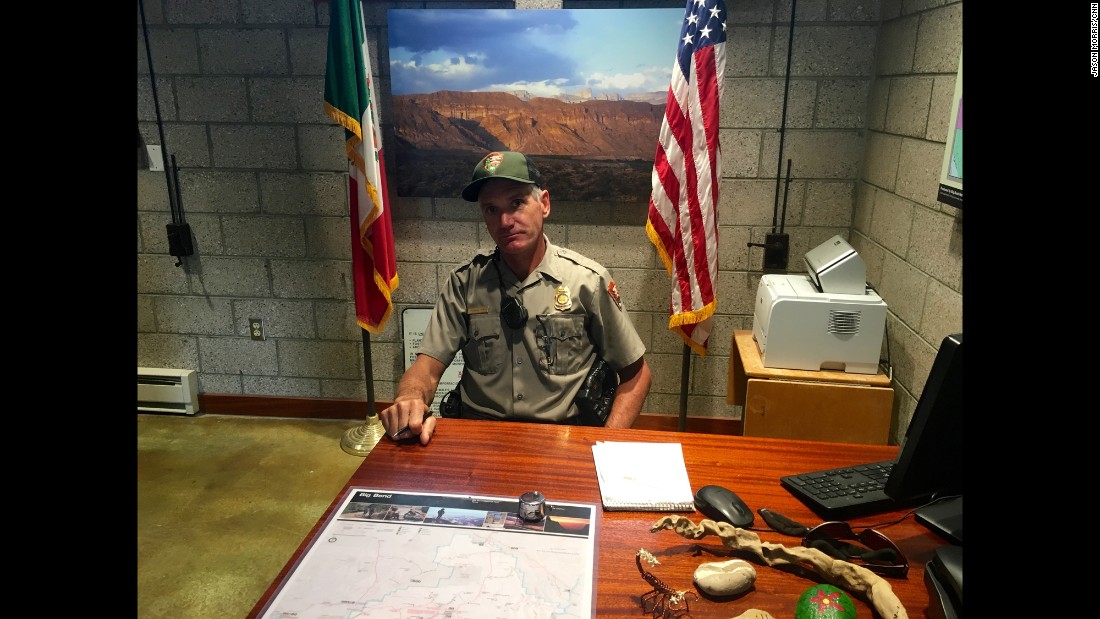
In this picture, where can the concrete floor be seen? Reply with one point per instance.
(223, 502)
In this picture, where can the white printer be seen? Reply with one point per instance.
(824, 319)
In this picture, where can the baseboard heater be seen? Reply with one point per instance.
(166, 390)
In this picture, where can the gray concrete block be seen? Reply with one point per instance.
(328, 237)
(238, 355)
(757, 103)
(243, 52)
(322, 148)
(733, 249)
(254, 146)
(156, 274)
(188, 143)
(152, 192)
(818, 154)
(613, 246)
(146, 318)
(219, 191)
(828, 203)
(898, 44)
(879, 100)
(230, 277)
(336, 321)
(437, 241)
(418, 282)
(740, 152)
(255, 235)
(319, 359)
(880, 166)
(842, 104)
(220, 383)
(907, 112)
(308, 51)
(822, 51)
(943, 312)
(905, 287)
(174, 50)
(747, 49)
(919, 164)
(853, 10)
(940, 122)
(304, 193)
(147, 105)
(167, 350)
(284, 12)
(312, 279)
(936, 247)
(288, 99)
(200, 12)
(939, 40)
(892, 222)
(194, 315)
(281, 386)
(212, 99)
(752, 202)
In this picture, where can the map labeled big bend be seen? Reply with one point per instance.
(411, 555)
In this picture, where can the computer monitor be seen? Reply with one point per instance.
(931, 460)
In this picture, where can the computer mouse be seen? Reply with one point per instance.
(722, 505)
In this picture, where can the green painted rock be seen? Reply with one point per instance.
(824, 602)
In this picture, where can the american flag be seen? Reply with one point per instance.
(683, 207)
(350, 101)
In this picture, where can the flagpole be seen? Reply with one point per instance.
(685, 371)
(359, 441)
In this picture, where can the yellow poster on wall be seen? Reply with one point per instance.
(951, 173)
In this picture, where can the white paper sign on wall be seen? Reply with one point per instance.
(413, 322)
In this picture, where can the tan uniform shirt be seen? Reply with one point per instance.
(574, 314)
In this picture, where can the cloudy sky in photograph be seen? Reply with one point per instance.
(546, 52)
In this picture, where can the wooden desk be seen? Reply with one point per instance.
(508, 459)
(821, 406)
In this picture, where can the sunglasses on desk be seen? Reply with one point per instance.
(868, 548)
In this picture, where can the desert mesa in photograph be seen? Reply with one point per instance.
(555, 85)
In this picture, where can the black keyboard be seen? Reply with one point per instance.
(840, 494)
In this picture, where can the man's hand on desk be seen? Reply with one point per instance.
(408, 418)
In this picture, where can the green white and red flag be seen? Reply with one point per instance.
(351, 101)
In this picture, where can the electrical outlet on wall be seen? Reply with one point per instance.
(256, 328)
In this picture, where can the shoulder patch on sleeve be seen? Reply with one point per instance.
(613, 292)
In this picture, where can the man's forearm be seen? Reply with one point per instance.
(420, 381)
(630, 395)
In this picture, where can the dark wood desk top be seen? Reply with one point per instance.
(508, 459)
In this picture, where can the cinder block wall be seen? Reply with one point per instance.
(262, 176)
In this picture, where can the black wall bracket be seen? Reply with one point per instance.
(777, 250)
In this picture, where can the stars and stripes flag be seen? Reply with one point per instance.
(683, 207)
(350, 101)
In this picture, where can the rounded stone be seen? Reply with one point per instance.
(725, 577)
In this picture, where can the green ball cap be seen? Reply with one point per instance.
(500, 164)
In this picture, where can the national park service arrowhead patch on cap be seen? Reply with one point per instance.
(613, 292)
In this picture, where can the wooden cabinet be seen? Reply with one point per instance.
(822, 406)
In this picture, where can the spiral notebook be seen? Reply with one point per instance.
(643, 477)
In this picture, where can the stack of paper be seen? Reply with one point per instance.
(646, 477)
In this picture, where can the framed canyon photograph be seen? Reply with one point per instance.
(582, 92)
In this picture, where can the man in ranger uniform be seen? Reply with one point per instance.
(540, 326)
